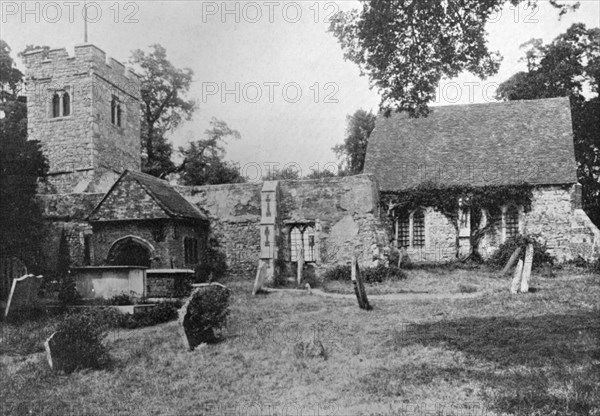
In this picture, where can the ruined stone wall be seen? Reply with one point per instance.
(346, 210)
(557, 216)
(84, 143)
(234, 214)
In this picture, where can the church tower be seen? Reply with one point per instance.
(85, 111)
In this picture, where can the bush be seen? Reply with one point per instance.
(540, 255)
(338, 273)
(380, 274)
(119, 300)
(67, 292)
(161, 313)
(376, 274)
(77, 343)
(206, 314)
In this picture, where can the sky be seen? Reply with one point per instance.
(269, 69)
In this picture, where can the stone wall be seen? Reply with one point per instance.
(557, 216)
(85, 140)
(234, 215)
(346, 210)
(167, 250)
(65, 214)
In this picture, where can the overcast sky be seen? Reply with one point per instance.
(294, 87)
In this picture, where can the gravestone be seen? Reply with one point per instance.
(514, 287)
(511, 261)
(192, 335)
(527, 268)
(261, 276)
(359, 287)
(23, 294)
(52, 346)
(312, 348)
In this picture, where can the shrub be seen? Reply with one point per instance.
(67, 292)
(338, 273)
(161, 313)
(122, 299)
(540, 255)
(380, 274)
(206, 314)
(376, 274)
(77, 343)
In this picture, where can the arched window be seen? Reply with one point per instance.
(115, 111)
(303, 236)
(512, 221)
(419, 228)
(56, 105)
(66, 104)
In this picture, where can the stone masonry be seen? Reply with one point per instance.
(85, 149)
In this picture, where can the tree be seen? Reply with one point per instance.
(406, 47)
(565, 67)
(354, 148)
(289, 173)
(203, 162)
(164, 106)
(21, 163)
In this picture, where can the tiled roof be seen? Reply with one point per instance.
(164, 195)
(167, 197)
(477, 144)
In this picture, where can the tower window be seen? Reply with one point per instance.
(61, 104)
(115, 111)
(55, 105)
(66, 104)
(403, 232)
(419, 229)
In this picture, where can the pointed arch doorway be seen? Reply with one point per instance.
(131, 251)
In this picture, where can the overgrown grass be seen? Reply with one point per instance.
(533, 354)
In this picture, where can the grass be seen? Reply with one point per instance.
(534, 354)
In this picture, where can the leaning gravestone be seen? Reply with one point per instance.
(261, 277)
(206, 302)
(23, 294)
(52, 347)
(527, 268)
(359, 287)
(514, 287)
(511, 261)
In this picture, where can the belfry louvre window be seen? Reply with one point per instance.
(115, 111)
(190, 246)
(512, 221)
(60, 105)
(303, 236)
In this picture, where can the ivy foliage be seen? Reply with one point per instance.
(448, 200)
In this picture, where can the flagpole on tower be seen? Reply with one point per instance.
(85, 30)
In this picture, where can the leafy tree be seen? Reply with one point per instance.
(565, 67)
(11, 77)
(406, 47)
(21, 163)
(289, 173)
(203, 162)
(320, 174)
(354, 148)
(164, 106)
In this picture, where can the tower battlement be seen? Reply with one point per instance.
(84, 109)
